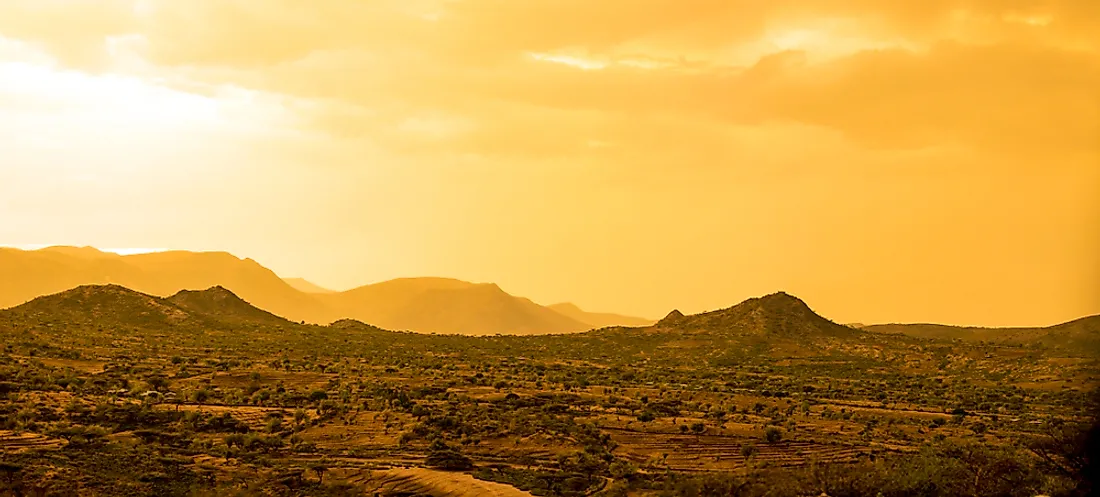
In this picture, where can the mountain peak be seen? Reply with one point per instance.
(779, 300)
(105, 305)
(778, 314)
(92, 290)
(672, 318)
(353, 324)
(215, 292)
(780, 296)
(78, 252)
(222, 304)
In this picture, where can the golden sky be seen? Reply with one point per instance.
(908, 160)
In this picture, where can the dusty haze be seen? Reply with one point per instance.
(905, 161)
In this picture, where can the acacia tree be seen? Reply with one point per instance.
(320, 468)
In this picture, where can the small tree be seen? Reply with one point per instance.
(773, 434)
(158, 383)
(320, 468)
(10, 471)
(441, 456)
(622, 469)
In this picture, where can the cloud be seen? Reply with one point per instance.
(728, 147)
(621, 78)
(75, 32)
(489, 32)
(1001, 97)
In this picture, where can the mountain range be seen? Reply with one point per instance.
(432, 305)
(775, 325)
(173, 288)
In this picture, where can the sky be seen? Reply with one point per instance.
(903, 161)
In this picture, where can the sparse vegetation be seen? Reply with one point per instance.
(782, 402)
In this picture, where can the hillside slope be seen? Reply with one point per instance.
(306, 286)
(170, 272)
(438, 305)
(778, 315)
(102, 306)
(759, 329)
(113, 307)
(31, 274)
(598, 319)
(1082, 334)
(224, 306)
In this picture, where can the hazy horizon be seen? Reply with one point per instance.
(139, 251)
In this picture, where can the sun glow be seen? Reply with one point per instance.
(135, 251)
(105, 100)
(119, 251)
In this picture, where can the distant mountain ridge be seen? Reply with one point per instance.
(782, 325)
(438, 305)
(306, 286)
(30, 274)
(443, 305)
(1083, 333)
(598, 319)
(776, 325)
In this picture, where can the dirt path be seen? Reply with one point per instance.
(431, 482)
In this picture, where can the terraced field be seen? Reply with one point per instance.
(255, 417)
(709, 452)
(266, 376)
(11, 442)
(85, 366)
(361, 431)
